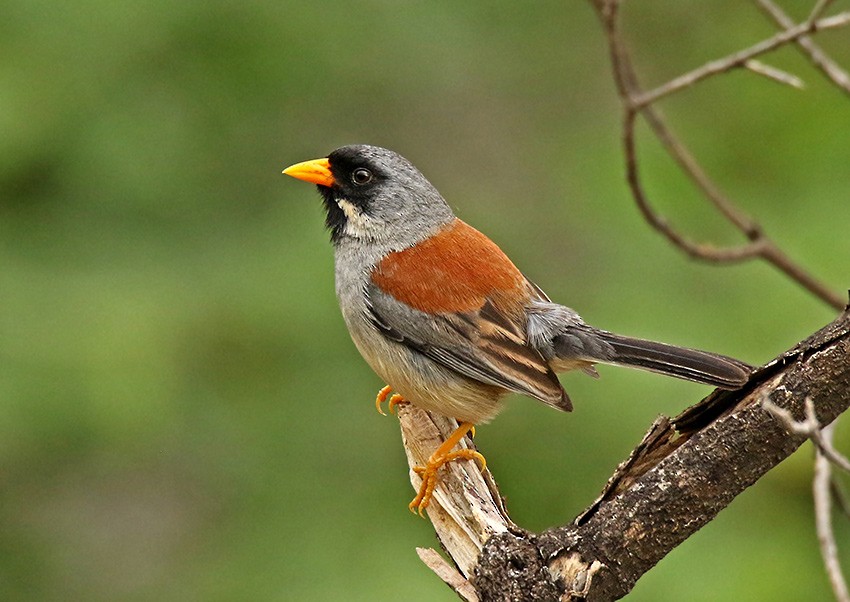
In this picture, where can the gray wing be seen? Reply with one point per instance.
(486, 345)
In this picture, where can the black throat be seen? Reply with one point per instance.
(335, 219)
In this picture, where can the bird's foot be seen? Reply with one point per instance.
(395, 399)
(438, 459)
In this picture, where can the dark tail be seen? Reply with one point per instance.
(681, 362)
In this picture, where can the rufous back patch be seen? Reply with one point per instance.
(456, 270)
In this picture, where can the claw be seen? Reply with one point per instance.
(438, 459)
(381, 398)
(394, 401)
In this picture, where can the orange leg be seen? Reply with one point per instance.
(443, 455)
(382, 397)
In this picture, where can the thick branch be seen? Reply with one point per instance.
(691, 468)
(681, 475)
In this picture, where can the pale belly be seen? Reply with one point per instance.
(426, 384)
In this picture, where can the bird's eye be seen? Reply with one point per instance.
(361, 176)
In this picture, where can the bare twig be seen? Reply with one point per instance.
(822, 485)
(823, 519)
(759, 245)
(737, 59)
(818, 57)
(777, 75)
(448, 574)
(809, 427)
(697, 250)
(680, 153)
(818, 10)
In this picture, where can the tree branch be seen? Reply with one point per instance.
(811, 428)
(818, 57)
(636, 102)
(822, 485)
(821, 492)
(686, 469)
(738, 59)
(681, 475)
(777, 75)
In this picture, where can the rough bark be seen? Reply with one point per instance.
(685, 471)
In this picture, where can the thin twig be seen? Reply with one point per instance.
(448, 574)
(738, 58)
(809, 427)
(759, 244)
(776, 256)
(696, 250)
(626, 80)
(777, 75)
(818, 10)
(818, 57)
(823, 519)
(822, 484)
(681, 155)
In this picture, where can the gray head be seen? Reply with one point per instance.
(373, 194)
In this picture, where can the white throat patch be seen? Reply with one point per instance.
(357, 224)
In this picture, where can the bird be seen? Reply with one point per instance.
(445, 318)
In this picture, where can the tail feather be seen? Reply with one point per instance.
(689, 364)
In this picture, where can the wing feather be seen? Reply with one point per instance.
(488, 345)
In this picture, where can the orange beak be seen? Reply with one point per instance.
(317, 171)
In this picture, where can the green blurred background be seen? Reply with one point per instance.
(182, 414)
